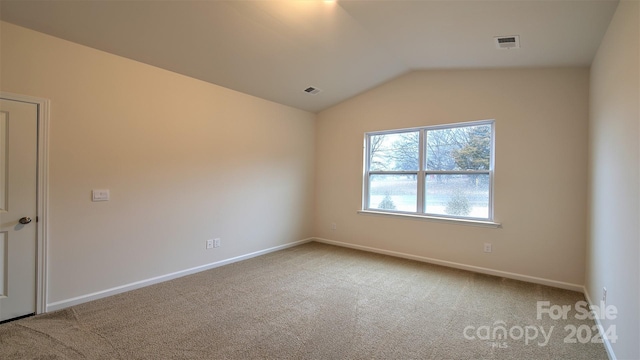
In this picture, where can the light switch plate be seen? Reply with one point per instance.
(100, 195)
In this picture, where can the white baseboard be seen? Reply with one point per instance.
(477, 269)
(158, 279)
(603, 335)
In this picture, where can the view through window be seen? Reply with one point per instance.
(443, 171)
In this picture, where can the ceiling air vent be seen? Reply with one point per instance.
(312, 90)
(507, 42)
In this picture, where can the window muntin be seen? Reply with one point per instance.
(442, 171)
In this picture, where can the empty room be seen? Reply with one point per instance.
(310, 179)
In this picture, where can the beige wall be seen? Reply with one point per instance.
(540, 173)
(185, 161)
(614, 238)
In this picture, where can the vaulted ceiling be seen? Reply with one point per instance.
(276, 49)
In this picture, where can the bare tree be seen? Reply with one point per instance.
(406, 152)
(440, 143)
(375, 148)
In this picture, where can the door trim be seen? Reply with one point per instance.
(42, 212)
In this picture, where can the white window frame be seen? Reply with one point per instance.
(421, 174)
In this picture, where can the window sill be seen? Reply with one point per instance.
(434, 218)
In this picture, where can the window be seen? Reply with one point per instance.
(442, 171)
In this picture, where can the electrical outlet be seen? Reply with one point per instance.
(216, 242)
(210, 244)
(333, 226)
(604, 295)
(487, 247)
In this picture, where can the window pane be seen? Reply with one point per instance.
(393, 192)
(462, 148)
(394, 152)
(457, 195)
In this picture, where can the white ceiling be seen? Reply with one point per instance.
(276, 49)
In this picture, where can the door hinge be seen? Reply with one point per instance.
(36, 219)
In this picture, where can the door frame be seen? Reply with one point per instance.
(42, 191)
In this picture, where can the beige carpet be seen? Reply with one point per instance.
(312, 301)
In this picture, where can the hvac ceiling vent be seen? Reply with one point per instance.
(507, 42)
(312, 90)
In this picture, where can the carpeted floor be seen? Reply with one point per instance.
(312, 301)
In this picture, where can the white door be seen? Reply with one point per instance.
(18, 208)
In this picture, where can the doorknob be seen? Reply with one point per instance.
(25, 220)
